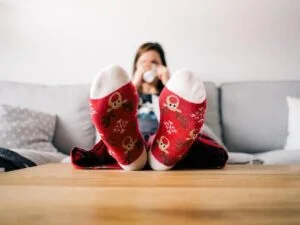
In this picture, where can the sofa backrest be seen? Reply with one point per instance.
(212, 118)
(68, 102)
(254, 115)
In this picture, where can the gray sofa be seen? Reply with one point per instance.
(250, 117)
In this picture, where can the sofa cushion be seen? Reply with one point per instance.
(254, 114)
(68, 102)
(279, 157)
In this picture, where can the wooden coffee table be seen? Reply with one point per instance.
(240, 194)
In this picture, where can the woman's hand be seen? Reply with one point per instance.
(163, 74)
(138, 75)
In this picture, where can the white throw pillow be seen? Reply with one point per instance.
(293, 139)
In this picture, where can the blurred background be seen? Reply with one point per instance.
(67, 42)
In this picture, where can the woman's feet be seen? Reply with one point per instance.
(113, 102)
(182, 109)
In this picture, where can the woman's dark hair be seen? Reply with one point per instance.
(151, 46)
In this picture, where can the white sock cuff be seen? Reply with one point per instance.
(187, 85)
(155, 164)
(108, 80)
(138, 164)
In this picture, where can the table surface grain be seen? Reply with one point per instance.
(237, 194)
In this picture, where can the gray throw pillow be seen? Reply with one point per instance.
(27, 129)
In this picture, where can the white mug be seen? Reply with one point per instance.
(149, 76)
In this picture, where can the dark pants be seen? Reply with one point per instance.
(204, 153)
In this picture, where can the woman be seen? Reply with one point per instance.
(149, 55)
(175, 142)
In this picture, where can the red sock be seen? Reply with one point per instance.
(115, 117)
(180, 124)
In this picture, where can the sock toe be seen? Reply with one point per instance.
(113, 75)
(187, 85)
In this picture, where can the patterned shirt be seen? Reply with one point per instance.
(148, 114)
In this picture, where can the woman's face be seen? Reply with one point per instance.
(148, 58)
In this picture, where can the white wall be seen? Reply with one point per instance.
(59, 42)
